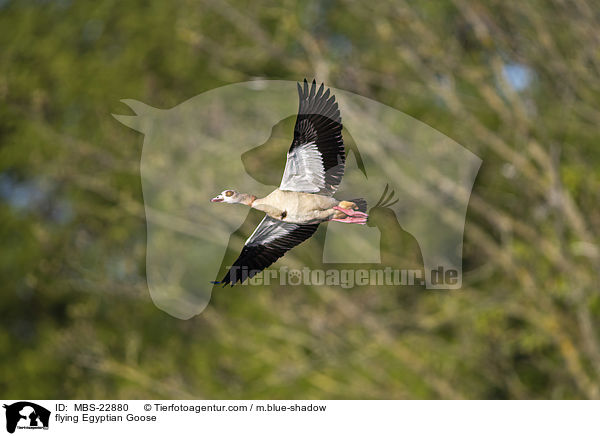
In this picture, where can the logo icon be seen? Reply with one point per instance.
(237, 137)
(26, 415)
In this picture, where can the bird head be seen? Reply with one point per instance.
(228, 196)
(382, 210)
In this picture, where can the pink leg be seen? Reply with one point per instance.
(351, 212)
(351, 220)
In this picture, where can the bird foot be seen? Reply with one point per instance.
(351, 220)
(351, 212)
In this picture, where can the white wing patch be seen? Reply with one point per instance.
(268, 230)
(304, 171)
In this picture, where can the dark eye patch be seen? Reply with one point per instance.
(229, 193)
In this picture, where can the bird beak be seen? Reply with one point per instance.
(216, 200)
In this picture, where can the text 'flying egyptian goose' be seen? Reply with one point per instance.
(304, 199)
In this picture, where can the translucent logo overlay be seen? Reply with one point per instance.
(237, 137)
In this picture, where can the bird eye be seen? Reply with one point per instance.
(228, 193)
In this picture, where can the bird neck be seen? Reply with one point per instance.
(247, 199)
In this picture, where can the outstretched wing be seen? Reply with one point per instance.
(270, 241)
(316, 159)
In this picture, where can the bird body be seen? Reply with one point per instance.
(297, 207)
(313, 171)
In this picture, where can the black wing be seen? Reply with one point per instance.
(270, 241)
(316, 159)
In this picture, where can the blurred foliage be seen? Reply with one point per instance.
(515, 82)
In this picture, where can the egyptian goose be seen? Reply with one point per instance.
(304, 199)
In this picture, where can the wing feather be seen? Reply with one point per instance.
(270, 241)
(316, 159)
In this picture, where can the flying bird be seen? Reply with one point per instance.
(313, 172)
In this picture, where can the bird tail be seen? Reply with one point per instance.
(361, 203)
